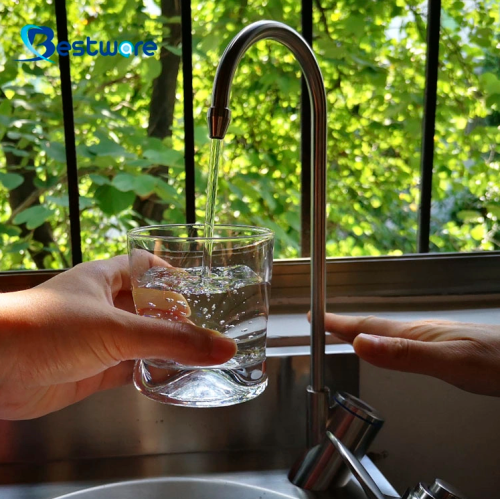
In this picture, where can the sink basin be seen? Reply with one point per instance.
(176, 488)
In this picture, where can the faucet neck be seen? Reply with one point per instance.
(218, 119)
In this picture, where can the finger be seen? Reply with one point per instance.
(141, 261)
(116, 271)
(137, 337)
(117, 376)
(348, 327)
(427, 358)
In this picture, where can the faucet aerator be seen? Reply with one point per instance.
(218, 122)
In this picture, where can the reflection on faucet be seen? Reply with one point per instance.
(219, 117)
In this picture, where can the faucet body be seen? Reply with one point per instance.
(219, 117)
(343, 432)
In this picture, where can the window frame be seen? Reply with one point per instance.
(413, 275)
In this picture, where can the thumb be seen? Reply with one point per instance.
(426, 358)
(137, 337)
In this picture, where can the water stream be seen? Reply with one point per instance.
(213, 175)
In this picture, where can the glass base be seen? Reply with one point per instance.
(201, 387)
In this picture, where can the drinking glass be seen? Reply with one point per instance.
(221, 283)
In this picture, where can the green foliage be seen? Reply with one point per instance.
(33, 216)
(372, 56)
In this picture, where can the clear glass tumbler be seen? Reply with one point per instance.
(221, 283)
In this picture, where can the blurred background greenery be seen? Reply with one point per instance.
(129, 127)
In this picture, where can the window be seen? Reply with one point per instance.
(142, 148)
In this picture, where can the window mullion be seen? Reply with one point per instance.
(429, 123)
(187, 78)
(69, 135)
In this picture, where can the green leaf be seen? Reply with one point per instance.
(63, 201)
(280, 232)
(111, 201)
(478, 232)
(108, 148)
(4, 120)
(201, 135)
(33, 217)
(11, 181)
(83, 150)
(49, 182)
(167, 157)
(33, 70)
(469, 215)
(268, 196)
(145, 185)
(18, 246)
(490, 83)
(19, 135)
(142, 185)
(9, 72)
(138, 163)
(330, 48)
(103, 64)
(15, 151)
(5, 108)
(9, 230)
(175, 50)
(55, 150)
(124, 182)
(152, 68)
(356, 25)
(100, 180)
(494, 210)
(167, 192)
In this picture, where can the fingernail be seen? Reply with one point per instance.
(223, 348)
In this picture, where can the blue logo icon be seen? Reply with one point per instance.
(28, 34)
(126, 49)
(79, 47)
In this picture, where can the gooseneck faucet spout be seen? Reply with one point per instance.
(219, 117)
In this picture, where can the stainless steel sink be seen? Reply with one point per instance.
(177, 488)
(190, 475)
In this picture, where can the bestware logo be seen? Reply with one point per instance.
(79, 47)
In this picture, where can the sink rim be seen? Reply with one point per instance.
(177, 479)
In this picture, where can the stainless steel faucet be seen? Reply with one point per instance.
(340, 434)
(219, 117)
